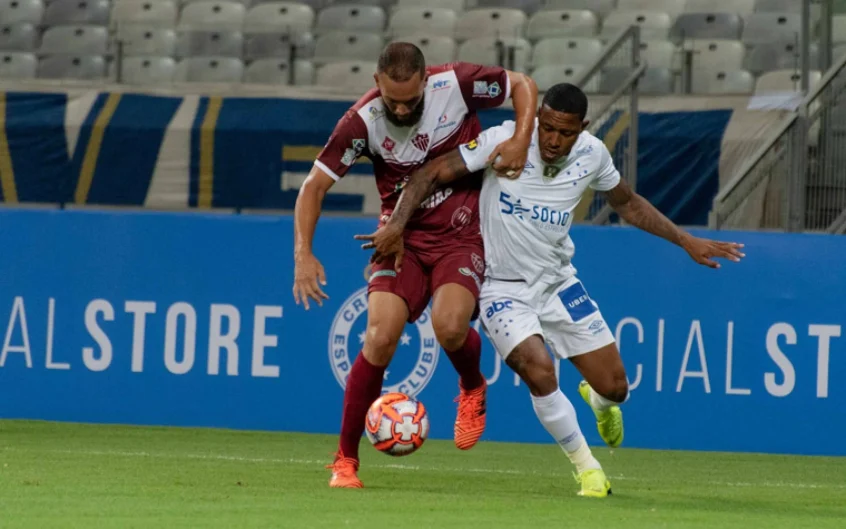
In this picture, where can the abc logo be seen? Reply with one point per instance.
(497, 306)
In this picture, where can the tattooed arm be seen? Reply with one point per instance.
(638, 212)
(387, 240)
(423, 182)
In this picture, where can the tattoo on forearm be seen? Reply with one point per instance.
(423, 182)
(640, 213)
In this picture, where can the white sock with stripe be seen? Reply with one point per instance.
(558, 416)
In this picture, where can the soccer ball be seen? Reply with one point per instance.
(397, 424)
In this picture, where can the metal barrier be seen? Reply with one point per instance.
(617, 118)
(796, 181)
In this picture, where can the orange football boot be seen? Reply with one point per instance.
(470, 421)
(344, 471)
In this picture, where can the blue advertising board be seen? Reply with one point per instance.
(189, 320)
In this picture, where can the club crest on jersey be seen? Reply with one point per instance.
(375, 113)
(421, 141)
(550, 171)
(478, 262)
(388, 144)
(461, 217)
(358, 145)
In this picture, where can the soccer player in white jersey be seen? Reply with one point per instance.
(531, 296)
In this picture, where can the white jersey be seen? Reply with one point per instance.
(526, 222)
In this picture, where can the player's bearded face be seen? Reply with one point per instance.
(557, 133)
(404, 100)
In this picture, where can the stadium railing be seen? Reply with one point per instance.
(616, 121)
(794, 181)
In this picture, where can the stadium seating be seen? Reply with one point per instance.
(562, 23)
(424, 21)
(21, 36)
(12, 11)
(722, 82)
(336, 42)
(18, 65)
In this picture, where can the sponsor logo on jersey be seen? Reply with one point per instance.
(358, 145)
(445, 123)
(541, 217)
(349, 157)
(375, 113)
(472, 145)
(485, 89)
(577, 302)
(388, 144)
(528, 166)
(421, 141)
(585, 150)
(469, 273)
(496, 307)
(440, 85)
(382, 273)
(347, 334)
(550, 171)
(436, 199)
(596, 327)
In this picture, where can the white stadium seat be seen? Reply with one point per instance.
(140, 40)
(148, 70)
(65, 12)
(351, 18)
(566, 50)
(17, 65)
(287, 17)
(722, 82)
(278, 72)
(654, 25)
(436, 50)
(75, 40)
(422, 21)
(491, 23)
(562, 23)
(352, 75)
(157, 13)
(339, 46)
(75, 67)
(489, 51)
(212, 15)
(210, 70)
(29, 11)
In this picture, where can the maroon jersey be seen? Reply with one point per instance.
(453, 94)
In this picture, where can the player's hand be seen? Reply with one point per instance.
(704, 250)
(387, 241)
(308, 277)
(509, 157)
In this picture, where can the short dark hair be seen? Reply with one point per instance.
(400, 61)
(567, 98)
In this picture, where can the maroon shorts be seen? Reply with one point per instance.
(422, 274)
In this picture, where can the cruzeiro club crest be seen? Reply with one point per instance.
(415, 359)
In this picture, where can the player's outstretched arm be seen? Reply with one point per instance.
(387, 240)
(308, 272)
(638, 212)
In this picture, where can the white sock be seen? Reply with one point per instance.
(600, 403)
(558, 416)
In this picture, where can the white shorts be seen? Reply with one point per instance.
(564, 315)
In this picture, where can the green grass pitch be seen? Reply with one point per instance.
(71, 475)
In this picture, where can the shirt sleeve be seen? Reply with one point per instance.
(607, 176)
(483, 86)
(347, 142)
(476, 152)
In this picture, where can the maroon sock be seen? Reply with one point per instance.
(364, 385)
(466, 361)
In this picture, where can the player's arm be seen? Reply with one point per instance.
(347, 142)
(308, 272)
(514, 151)
(387, 241)
(467, 158)
(423, 182)
(490, 87)
(638, 212)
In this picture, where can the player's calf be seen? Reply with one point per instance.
(557, 414)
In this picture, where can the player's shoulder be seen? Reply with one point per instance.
(506, 128)
(364, 112)
(589, 146)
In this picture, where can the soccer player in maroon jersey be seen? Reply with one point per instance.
(414, 114)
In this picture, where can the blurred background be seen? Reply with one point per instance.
(725, 113)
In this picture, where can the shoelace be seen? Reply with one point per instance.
(468, 408)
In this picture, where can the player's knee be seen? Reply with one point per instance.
(451, 332)
(536, 370)
(379, 346)
(618, 388)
